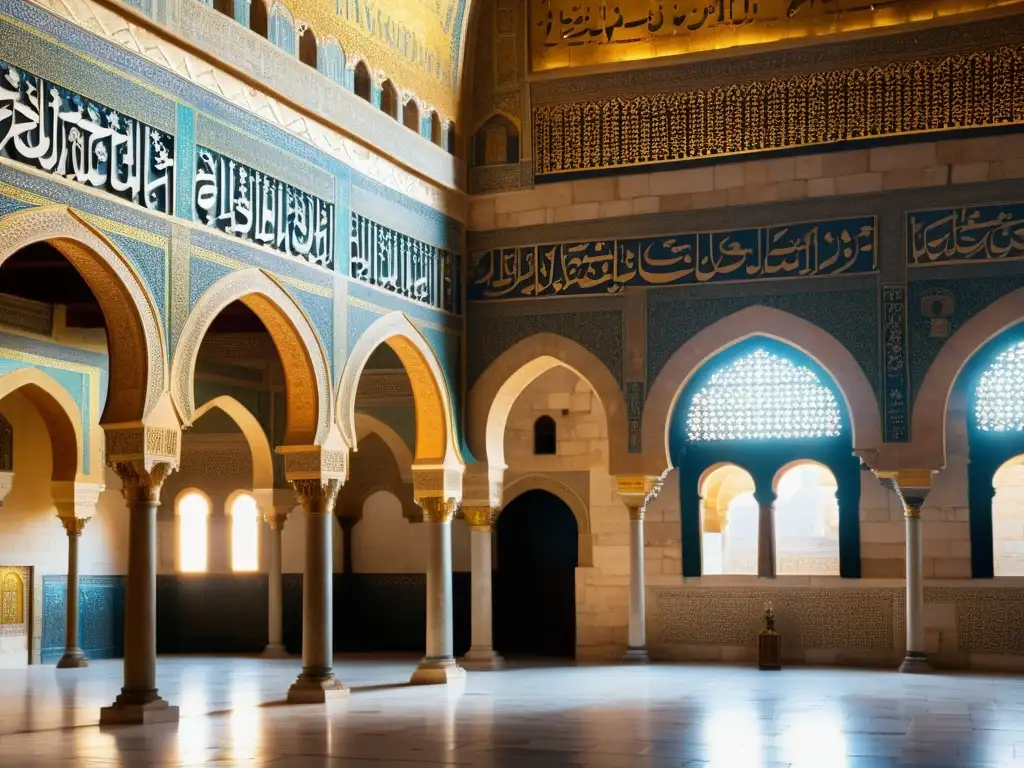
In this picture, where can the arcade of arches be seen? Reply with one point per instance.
(299, 369)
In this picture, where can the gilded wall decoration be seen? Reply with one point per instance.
(249, 204)
(813, 109)
(405, 266)
(571, 33)
(896, 398)
(976, 234)
(51, 128)
(608, 266)
(15, 589)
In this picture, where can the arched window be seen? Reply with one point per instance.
(728, 522)
(767, 407)
(389, 99)
(411, 115)
(361, 81)
(245, 533)
(545, 436)
(436, 135)
(307, 48)
(193, 510)
(258, 18)
(258, 21)
(282, 28)
(807, 521)
(995, 472)
(332, 61)
(450, 144)
(763, 396)
(227, 7)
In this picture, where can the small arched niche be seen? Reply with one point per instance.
(729, 520)
(307, 48)
(258, 19)
(361, 81)
(545, 436)
(496, 142)
(436, 134)
(389, 99)
(411, 115)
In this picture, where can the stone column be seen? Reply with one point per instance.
(637, 650)
(276, 515)
(916, 659)
(73, 655)
(481, 652)
(139, 701)
(766, 566)
(438, 665)
(317, 682)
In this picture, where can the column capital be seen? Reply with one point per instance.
(75, 499)
(143, 445)
(142, 481)
(480, 518)
(317, 495)
(314, 462)
(638, 491)
(275, 504)
(73, 525)
(910, 485)
(483, 485)
(636, 511)
(437, 509)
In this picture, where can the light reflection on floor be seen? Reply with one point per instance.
(601, 717)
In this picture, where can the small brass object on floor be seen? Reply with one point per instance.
(769, 642)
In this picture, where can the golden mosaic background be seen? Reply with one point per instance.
(570, 33)
(953, 92)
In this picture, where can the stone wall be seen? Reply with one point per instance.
(727, 184)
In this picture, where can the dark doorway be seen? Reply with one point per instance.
(535, 582)
(258, 17)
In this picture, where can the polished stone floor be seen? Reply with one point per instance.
(529, 717)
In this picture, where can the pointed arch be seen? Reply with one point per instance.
(135, 336)
(370, 425)
(411, 115)
(821, 346)
(60, 414)
(928, 417)
(435, 426)
(306, 372)
(494, 393)
(389, 99)
(282, 27)
(252, 431)
(362, 84)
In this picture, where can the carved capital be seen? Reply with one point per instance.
(480, 518)
(317, 496)
(141, 483)
(314, 462)
(137, 443)
(73, 525)
(910, 485)
(636, 511)
(437, 509)
(638, 491)
(912, 507)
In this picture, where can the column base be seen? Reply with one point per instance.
(437, 672)
(275, 652)
(915, 663)
(138, 709)
(482, 659)
(636, 656)
(316, 690)
(73, 658)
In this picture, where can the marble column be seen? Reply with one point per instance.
(766, 566)
(139, 701)
(637, 650)
(275, 623)
(916, 659)
(438, 665)
(73, 656)
(317, 683)
(481, 652)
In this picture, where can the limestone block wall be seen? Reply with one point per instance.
(577, 472)
(853, 172)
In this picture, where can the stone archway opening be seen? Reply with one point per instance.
(535, 578)
(1008, 518)
(728, 521)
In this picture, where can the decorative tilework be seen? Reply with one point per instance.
(186, 161)
(7, 206)
(846, 314)
(970, 298)
(635, 396)
(599, 332)
(321, 314)
(896, 398)
(203, 273)
(100, 611)
(151, 262)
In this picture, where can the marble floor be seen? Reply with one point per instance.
(685, 716)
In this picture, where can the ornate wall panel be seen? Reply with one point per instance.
(101, 612)
(819, 108)
(895, 372)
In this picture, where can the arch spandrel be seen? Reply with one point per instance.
(494, 393)
(931, 404)
(59, 413)
(138, 375)
(436, 442)
(307, 377)
(857, 392)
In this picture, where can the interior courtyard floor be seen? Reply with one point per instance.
(614, 716)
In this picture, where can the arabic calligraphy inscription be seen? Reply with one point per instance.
(608, 266)
(49, 127)
(974, 233)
